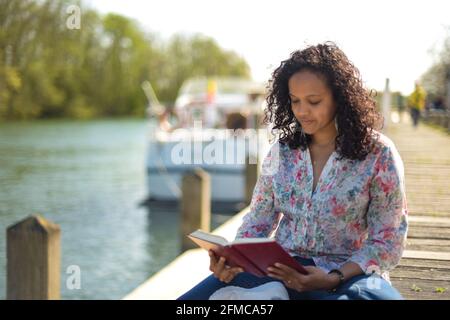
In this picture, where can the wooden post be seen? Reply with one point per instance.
(433, 119)
(195, 205)
(447, 103)
(33, 260)
(443, 121)
(251, 176)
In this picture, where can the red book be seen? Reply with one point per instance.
(254, 255)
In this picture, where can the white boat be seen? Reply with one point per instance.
(216, 131)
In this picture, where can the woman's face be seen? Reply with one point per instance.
(311, 101)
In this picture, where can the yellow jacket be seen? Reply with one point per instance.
(417, 99)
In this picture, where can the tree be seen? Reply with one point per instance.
(197, 55)
(48, 70)
(435, 79)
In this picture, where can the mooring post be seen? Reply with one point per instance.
(195, 205)
(33, 260)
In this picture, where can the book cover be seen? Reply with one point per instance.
(254, 255)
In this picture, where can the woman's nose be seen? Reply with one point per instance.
(300, 111)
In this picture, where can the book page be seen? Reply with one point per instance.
(252, 240)
(208, 237)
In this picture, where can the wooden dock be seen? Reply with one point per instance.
(424, 270)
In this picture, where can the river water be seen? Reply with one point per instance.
(88, 177)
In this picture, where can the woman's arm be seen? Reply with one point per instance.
(386, 216)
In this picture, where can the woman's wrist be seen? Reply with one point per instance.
(333, 281)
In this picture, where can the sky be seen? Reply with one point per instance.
(392, 39)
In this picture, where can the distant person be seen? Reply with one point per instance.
(166, 119)
(331, 191)
(416, 103)
(401, 104)
(163, 121)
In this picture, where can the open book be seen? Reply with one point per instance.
(254, 255)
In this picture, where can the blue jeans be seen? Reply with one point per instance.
(362, 287)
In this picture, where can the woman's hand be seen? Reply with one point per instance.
(221, 271)
(316, 279)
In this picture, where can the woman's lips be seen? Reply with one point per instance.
(307, 122)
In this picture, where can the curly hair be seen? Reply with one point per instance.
(356, 112)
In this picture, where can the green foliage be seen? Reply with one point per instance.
(435, 79)
(193, 57)
(48, 70)
(440, 289)
(415, 288)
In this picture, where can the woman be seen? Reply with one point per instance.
(332, 187)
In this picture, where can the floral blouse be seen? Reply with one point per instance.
(357, 211)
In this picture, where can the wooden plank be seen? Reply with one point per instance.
(434, 264)
(423, 273)
(419, 244)
(418, 170)
(427, 225)
(435, 212)
(428, 205)
(431, 169)
(429, 255)
(428, 288)
(433, 200)
(418, 208)
(425, 207)
(428, 232)
(427, 191)
(438, 180)
(429, 220)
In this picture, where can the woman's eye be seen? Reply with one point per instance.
(296, 101)
(315, 103)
